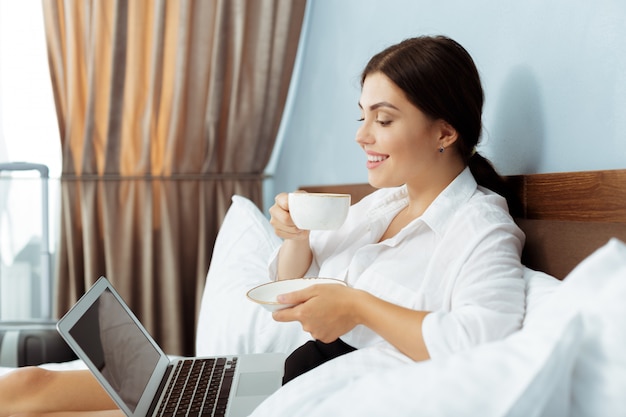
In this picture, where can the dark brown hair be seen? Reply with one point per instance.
(440, 78)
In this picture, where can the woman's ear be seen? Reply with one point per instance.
(448, 135)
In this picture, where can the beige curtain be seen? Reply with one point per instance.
(166, 108)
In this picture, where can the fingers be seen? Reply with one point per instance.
(322, 311)
(284, 316)
(319, 327)
(295, 297)
(281, 220)
(282, 200)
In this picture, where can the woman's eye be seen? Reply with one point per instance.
(360, 119)
(383, 122)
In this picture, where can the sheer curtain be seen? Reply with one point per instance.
(165, 109)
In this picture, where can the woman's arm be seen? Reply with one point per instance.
(329, 311)
(400, 326)
(294, 259)
(294, 256)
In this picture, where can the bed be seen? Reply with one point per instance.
(567, 360)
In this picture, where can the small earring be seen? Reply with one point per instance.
(441, 149)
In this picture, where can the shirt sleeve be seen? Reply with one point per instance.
(486, 291)
(273, 265)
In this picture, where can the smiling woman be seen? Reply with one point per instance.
(431, 259)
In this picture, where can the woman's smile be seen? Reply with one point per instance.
(375, 159)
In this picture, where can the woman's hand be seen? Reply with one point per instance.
(281, 220)
(326, 311)
(329, 311)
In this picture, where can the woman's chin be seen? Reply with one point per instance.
(378, 182)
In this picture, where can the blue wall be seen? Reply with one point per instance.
(554, 74)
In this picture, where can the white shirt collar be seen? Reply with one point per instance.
(443, 208)
(440, 211)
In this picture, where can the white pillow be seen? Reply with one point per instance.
(599, 381)
(229, 323)
(539, 286)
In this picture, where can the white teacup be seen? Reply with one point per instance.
(318, 211)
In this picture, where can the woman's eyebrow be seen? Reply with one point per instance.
(379, 105)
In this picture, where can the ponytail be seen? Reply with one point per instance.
(486, 176)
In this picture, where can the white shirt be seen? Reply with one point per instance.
(460, 260)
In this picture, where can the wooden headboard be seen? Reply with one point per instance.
(566, 216)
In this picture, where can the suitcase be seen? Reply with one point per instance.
(24, 343)
(32, 338)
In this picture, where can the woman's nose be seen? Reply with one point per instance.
(363, 135)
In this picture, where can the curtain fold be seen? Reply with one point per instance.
(166, 108)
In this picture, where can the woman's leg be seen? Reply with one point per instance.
(36, 390)
(103, 413)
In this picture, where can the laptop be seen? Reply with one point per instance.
(144, 381)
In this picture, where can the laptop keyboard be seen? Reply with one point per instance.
(200, 388)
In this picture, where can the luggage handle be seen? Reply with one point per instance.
(25, 166)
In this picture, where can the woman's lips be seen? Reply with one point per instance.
(375, 159)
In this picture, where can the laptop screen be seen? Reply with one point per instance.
(117, 347)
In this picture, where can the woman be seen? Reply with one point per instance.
(432, 258)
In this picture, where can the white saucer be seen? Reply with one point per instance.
(266, 294)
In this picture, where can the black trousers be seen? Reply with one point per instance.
(312, 354)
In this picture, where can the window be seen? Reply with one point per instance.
(28, 132)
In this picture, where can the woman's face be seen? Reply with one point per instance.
(400, 141)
